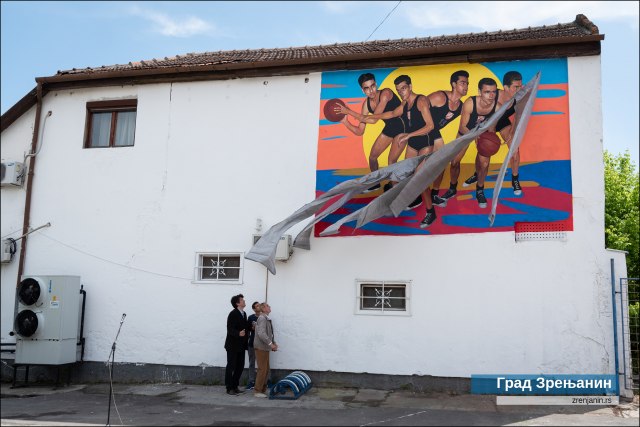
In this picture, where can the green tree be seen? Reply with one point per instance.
(622, 213)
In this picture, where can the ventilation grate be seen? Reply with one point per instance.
(527, 231)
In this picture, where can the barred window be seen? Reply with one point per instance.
(219, 267)
(383, 297)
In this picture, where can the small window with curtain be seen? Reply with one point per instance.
(219, 267)
(110, 123)
(383, 297)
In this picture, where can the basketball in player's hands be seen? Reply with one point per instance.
(329, 112)
(488, 143)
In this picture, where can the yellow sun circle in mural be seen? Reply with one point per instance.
(426, 80)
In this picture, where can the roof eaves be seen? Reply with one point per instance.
(18, 109)
(388, 55)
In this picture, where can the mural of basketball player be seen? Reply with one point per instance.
(511, 82)
(378, 101)
(475, 109)
(416, 116)
(445, 106)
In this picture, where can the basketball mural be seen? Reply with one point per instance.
(369, 119)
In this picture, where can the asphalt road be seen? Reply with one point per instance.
(192, 405)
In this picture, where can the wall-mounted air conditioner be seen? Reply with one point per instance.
(11, 174)
(284, 248)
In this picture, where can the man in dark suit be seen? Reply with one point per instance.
(235, 344)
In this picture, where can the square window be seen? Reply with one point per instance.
(110, 123)
(383, 297)
(217, 267)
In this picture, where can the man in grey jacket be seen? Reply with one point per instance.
(263, 343)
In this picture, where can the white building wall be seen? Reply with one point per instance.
(15, 143)
(212, 157)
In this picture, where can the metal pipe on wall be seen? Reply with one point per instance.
(29, 191)
(615, 326)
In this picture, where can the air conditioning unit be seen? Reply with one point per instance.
(12, 173)
(284, 248)
(47, 320)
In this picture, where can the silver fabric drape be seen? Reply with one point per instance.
(524, 106)
(409, 185)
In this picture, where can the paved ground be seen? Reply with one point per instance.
(178, 404)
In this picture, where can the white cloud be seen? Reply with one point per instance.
(345, 7)
(340, 7)
(495, 15)
(172, 27)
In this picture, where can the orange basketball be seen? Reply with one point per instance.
(488, 143)
(331, 115)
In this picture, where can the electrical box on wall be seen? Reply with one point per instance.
(284, 248)
(9, 248)
(11, 174)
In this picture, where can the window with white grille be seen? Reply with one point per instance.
(219, 267)
(383, 297)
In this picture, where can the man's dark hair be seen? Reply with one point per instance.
(253, 306)
(235, 300)
(457, 74)
(402, 78)
(510, 76)
(486, 82)
(365, 78)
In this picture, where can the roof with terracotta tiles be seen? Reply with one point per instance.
(580, 28)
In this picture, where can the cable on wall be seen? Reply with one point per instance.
(115, 263)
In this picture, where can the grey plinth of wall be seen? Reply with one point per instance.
(136, 373)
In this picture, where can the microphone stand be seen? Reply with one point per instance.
(112, 356)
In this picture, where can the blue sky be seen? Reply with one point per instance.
(40, 38)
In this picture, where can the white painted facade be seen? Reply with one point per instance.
(212, 157)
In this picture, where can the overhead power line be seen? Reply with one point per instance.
(385, 18)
